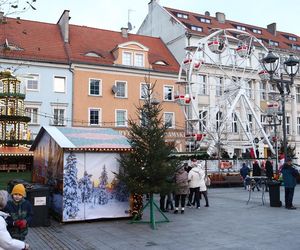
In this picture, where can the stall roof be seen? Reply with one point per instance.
(85, 139)
(15, 151)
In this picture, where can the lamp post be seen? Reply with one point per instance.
(291, 66)
(275, 120)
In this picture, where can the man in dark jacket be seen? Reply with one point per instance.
(289, 174)
(269, 171)
(244, 171)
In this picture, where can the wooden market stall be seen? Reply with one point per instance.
(79, 165)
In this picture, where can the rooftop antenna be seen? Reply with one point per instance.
(129, 25)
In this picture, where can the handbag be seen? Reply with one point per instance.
(207, 181)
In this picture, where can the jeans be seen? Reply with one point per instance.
(181, 198)
(195, 191)
(289, 195)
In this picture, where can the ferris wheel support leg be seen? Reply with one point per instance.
(260, 126)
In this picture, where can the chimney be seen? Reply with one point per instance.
(151, 5)
(272, 28)
(124, 32)
(220, 17)
(63, 23)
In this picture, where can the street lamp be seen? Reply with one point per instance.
(275, 120)
(291, 66)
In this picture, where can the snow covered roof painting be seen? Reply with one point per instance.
(85, 139)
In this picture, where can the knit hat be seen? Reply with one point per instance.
(3, 198)
(19, 189)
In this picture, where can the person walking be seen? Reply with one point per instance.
(20, 211)
(181, 180)
(194, 183)
(203, 187)
(245, 172)
(289, 174)
(269, 171)
(6, 241)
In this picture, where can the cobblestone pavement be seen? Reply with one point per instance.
(229, 223)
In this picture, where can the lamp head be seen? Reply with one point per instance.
(291, 66)
(270, 63)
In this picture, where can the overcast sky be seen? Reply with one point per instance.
(113, 14)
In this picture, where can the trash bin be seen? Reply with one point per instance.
(274, 193)
(39, 195)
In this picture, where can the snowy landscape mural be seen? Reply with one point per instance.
(91, 190)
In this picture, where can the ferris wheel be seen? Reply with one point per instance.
(216, 90)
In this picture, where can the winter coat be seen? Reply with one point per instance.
(269, 169)
(6, 241)
(256, 170)
(197, 178)
(21, 210)
(289, 175)
(181, 180)
(244, 171)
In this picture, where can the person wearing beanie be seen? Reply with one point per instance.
(20, 211)
(6, 241)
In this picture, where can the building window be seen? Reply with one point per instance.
(143, 90)
(1, 87)
(292, 38)
(288, 125)
(58, 117)
(273, 43)
(33, 83)
(298, 94)
(204, 20)
(234, 124)
(33, 114)
(219, 86)
(249, 89)
(256, 31)
(240, 27)
(127, 58)
(196, 28)
(202, 85)
(95, 87)
(181, 15)
(203, 119)
(263, 91)
(139, 60)
(94, 117)
(169, 119)
(59, 84)
(218, 119)
(298, 125)
(250, 123)
(168, 93)
(121, 89)
(121, 118)
(144, 120)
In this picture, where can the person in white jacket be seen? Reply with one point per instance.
(6, 241)
(194, 178)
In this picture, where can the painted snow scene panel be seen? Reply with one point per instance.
(91, 190)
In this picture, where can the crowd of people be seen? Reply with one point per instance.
(288, 173)
(191, 185)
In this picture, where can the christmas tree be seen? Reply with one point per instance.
(70, 198)
(85, 185)
(147, 169)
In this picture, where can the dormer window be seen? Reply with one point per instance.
(295, 47)
(292, 38)
(196, 28)
(160, 63)
(204, 20)
(181, 15)
(273, 43)
(256, 31)
(240, 27)
(133, 59)
(92, 54)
